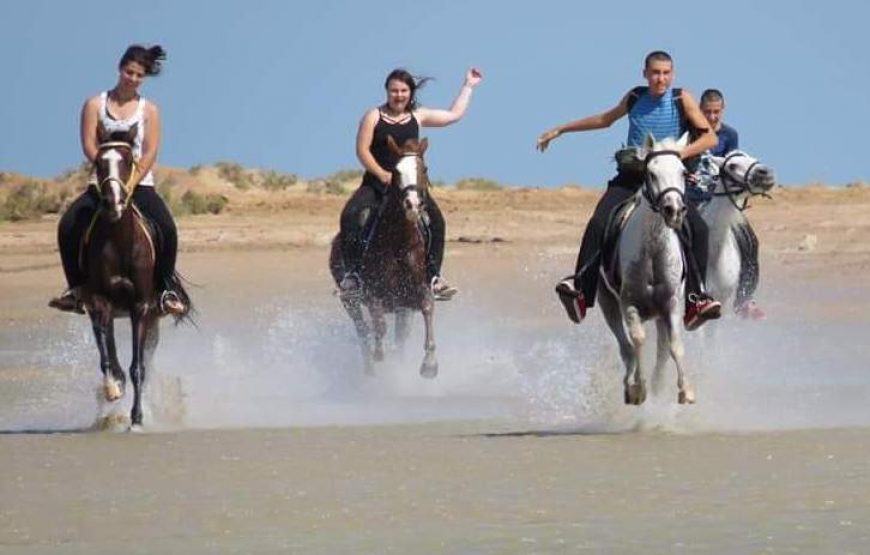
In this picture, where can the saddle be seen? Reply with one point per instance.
(612, 232)
(148, 226)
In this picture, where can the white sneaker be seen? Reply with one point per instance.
(442, 290)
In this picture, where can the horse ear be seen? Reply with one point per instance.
(391, 143)
(649, 142)
(684, 140)
(424, 144)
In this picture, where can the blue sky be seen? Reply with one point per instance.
(282, 85)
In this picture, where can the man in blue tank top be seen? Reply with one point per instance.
(665, 112)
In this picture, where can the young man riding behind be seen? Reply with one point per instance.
(662, 111)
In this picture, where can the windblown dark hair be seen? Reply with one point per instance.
(149, 58)
(414, 82)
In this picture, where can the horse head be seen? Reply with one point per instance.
(664, 177)
(410, 178)
(115, 167)
(741, 173)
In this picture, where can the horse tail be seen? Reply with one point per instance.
(747, 245)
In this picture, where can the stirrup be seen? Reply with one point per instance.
(574, 301)
(171, 303)
(442, 290)
(68, 301)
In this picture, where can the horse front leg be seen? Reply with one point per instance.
(379, 323)
(353, 307)
(403, 328)
(429, 367)
(635, 390)
(141, 320)
(663, 353)
(613, 316)
(104, 332)
(686, 393)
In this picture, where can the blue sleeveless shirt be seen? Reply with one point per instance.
(659, 116)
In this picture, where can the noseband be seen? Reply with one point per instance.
(654, 200)
(733, 186)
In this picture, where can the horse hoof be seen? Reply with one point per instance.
(686, 397)
(378, 355)
(635, 394)
(136, 429)
(112, 390)
(429, 371)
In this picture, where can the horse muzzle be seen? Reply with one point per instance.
(674, 215)
(762, 179)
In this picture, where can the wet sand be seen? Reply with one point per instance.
(274, 442)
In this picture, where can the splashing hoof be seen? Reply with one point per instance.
(635, 394)
(686, 397)
(114, 422)
(112, 389)
(136, 429)
(429, 370)
(378, 355)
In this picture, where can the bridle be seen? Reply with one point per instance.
(404, 190)
(131, 181)
(655, 200)
(733, 186)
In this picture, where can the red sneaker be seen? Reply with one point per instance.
(751, 311)
(574, 301)
(699, 309)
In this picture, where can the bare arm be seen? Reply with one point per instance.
(364, 136)
(707, 137)
(440, 118)
(598, 121)
(88, 128)
(151, 142)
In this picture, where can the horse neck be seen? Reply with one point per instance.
(720, 213)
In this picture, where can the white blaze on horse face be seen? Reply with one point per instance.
(667, 174)
(407, 169)
(113, 159)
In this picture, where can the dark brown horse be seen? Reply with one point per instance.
(393, 271)
(120, 259)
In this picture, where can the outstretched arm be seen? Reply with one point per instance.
(429, 117)
(598, 121)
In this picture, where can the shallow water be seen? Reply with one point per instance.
(522, 443)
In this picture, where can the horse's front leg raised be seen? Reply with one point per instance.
(429, 368)
(104, 332)
(141, 320)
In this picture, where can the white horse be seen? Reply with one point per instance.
(732, 265)
(649, 280)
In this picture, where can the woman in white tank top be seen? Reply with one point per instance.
(117, 110)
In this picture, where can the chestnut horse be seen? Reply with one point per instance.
(120, 257)
(393, 271)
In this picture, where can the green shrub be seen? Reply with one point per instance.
(235, 174)
(196, 203)
(345, 175)
(31, 200)
(277, 181)
(477, 184)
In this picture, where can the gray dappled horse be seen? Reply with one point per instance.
(394, 273)
(732, 267)
(648, 277)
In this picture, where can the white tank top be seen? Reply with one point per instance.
(112, 125)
